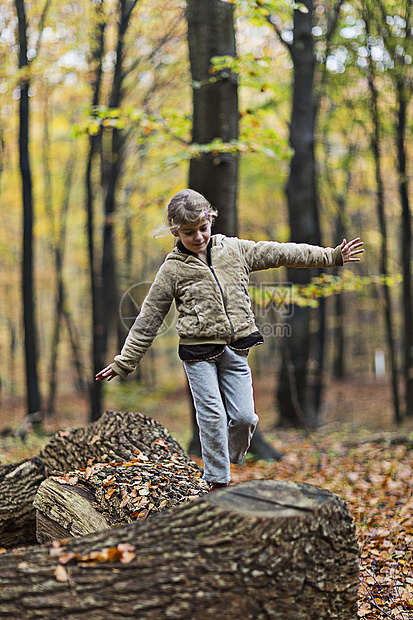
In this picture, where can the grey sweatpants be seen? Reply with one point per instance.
(224, 403)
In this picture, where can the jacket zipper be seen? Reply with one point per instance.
(223, 300)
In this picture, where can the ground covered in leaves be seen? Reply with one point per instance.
(357, 453)
(374, 476)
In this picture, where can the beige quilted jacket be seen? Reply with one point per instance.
(212, 302)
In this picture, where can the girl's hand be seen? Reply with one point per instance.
(351, 249)
(107, 373)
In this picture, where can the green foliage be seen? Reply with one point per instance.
(326, 285)
(155, 123)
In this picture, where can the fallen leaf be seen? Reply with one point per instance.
(61, 573)
(66, 479)
(23, 565)
(109, 493)
(127, 557)
(126, 547)
(125, 498)
(88, 472)
(64, 558)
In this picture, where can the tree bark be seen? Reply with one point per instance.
(215, 108)
(263, 549)
(115, 437)
(375, 141)
(211, 33)
(97, 46)
(403, 96)
(303, 218)
(106, 495)
(112, 156)
(19, 483)
(29, 323)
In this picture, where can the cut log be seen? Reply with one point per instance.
(62, 511)
(257, 550)
(116, 436)
(110, 494)
(18, 486)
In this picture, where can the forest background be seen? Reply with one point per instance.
(107, 90)
(110, 134)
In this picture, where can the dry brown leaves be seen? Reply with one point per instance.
(376, 481)
(133, 490)
(123, 553)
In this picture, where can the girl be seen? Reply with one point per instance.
(207, 276)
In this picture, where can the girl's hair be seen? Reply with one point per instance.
(186, 207)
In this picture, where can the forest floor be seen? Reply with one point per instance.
(357, 453)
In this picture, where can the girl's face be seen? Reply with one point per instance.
(195, 237)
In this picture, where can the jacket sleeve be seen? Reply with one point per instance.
(150, 318)
(268, 254)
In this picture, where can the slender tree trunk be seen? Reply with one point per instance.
(340, 198)
(303, 218)
(387, 310)
(406, 249)
(57, 244)
(339, 370)
(112, 151)
(98, 348)
(30, 341)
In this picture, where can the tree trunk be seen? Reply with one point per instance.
(259, 549)
(339, 356)
(106, 495)
(406, 246)
(57, 248)
(215, 115)
(303, 218)
(115, 437)
(387, 309)
(112, 156)
(97, 46)
(19, 484)
(215, 108)
(29, 323)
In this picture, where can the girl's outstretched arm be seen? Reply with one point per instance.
(107, 373)
(351, 249)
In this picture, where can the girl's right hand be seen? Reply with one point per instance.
(107, 373)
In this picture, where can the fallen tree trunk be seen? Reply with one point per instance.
(19, 483)
(115, 437)
(257, 550)
(110, 494)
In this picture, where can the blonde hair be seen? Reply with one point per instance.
(186, 207)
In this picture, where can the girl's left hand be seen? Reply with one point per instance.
(351, 249)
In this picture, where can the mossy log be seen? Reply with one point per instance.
(115, 437)
(256, 550)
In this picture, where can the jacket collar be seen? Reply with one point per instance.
(183, 250)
